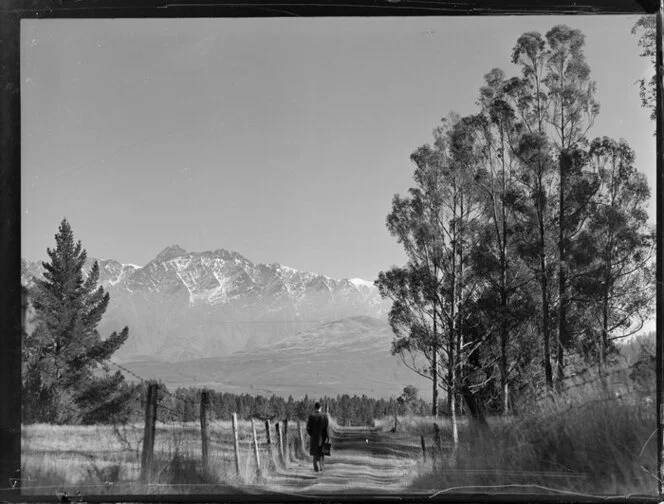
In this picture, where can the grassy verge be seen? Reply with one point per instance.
(105, 459)
(588, 441)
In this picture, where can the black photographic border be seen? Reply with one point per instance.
(11, 14)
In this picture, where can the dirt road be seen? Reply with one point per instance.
(363, 460)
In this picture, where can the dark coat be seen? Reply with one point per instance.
(317, 428)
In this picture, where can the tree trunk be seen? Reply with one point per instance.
(453, 366)
(548, 374)
(453, 333)
(504, 335)
(474, 407)
(434, 365)
(562, 310)
(449, 376)
(461, 374)
(604, 343)
(453, 415)
(563, 333)
(541, 206)
(434, 371)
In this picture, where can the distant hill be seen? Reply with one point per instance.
(347, 356)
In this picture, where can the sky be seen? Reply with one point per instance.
(283, 139)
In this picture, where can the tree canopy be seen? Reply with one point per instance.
(66, 374)
(529, 251)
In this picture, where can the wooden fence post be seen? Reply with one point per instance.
(303, 450)
(256, 455)
(270, 454)
(205, 404)
(437, 444)
(280, 442)
(424, 449)
(437, 439)
(236, 443)
(147, 456)
(286, 450)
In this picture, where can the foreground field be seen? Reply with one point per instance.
(104, 459)
(597, 440)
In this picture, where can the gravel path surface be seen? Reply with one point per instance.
(363, 460)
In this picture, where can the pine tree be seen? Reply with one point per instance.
(67, 377)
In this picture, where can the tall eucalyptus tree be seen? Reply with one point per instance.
(534, 205)
(415, 221)
(503, 303)
(573, 109)
(616, 250)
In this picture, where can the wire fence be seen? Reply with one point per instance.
(171, 451)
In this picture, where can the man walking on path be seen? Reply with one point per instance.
(317, 425)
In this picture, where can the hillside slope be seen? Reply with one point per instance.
(348, 356)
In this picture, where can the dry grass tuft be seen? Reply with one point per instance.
(587, 440)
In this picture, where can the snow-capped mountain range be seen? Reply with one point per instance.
(185, 305)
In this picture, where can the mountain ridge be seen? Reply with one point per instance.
(183, 304)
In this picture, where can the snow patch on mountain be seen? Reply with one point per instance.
(358, 282)
(116, 279)
(283, 267)
(218, 294)
(191, 294)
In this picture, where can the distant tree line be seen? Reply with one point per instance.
(528, 244)
(183, 405)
